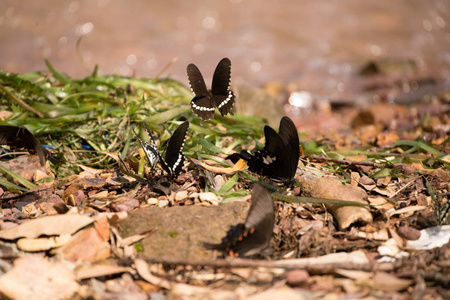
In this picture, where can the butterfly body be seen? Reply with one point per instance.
(279, 158)
(220, 95)
(249, 238)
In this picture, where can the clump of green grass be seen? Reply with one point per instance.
(85, 119)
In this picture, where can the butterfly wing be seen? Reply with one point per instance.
(196, 81)
(151, 152)
(222, 96)
(261, 214)
(201, 104)
(253, 236)
(289, 136)
(258, 225)
(241, 155)
(174, 158)
(273, 158)
(21, 137)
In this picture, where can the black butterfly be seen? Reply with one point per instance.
(20, 137)
(254, 235)
(279, 158)
(220, 96)
(174, 158)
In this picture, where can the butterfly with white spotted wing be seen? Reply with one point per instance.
(220, 96)
(279, 158)
(174, 158)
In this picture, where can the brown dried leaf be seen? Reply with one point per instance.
(330, 188)
(283, 292)
(380, 203)
(389, 283)
(238, 166)
(90, 244)
(91, 271)
(42, 244)
(49, 225)
(142, 268)
(34, 277)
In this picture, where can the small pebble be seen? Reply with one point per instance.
(152, 201)
(219, 181)
(366, 180)
(409, 233)
(181, 195)
(163, 203)
(209, 197)
(297, 277)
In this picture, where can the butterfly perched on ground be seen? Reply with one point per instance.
(174, 158)
(279, 158)
(20, 137)
(220, 96)
(150, 149)
(253, 236)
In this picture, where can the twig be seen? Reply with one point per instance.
(345, 162)
(321, 268)
(21, 102)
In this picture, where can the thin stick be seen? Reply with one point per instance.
(166, 67)
(316, 268)
(21, 102)
(345, 162)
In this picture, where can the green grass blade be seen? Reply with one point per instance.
(19, 178)
(9, 185)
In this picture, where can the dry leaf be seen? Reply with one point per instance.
(381, 235)
(49, 225)
(91, 271)
(34, 277)
(135, 238)
(283, 292)
(238, 166)
(331, 188)
(355, 257)
(142, 268)
(408, 209)
(43, 244)
(389, 283)
(90, 244)
(358, 276)
(380, 203)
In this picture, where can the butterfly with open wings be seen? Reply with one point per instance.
(253, 236)
(279, 158)
(220, 96)
(174, 158)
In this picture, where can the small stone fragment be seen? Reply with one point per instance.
(409, 233)
(152, 201)
(209, 197)
(163, 203)
(181, 195)
(297, 277)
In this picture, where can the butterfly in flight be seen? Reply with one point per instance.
(278, 160)
(174, 158)
(20, 137)
(253, 236)
(220, 96)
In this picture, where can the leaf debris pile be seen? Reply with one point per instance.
(368, 216)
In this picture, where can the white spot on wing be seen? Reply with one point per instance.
(201, 108)
(224, 102)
